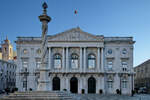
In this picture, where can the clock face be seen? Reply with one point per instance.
(38, 51)
(109, 51)
(25, 51)
(124, 51)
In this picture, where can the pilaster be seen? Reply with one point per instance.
(50, 58)
(102, 59)
(81, 66)
(67, 59)
(85, 59)
(63, 60)
(98, 59)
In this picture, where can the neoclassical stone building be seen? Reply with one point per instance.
(78, 60)
(74, 61)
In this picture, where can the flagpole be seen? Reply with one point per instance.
(76, 12)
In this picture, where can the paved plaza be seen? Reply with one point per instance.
(108, 97)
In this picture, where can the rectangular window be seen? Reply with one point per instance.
(38, 63)
(24, 84)
(124, 84)
(110, 84)
(74, 63)
(25, 63)
(91, 63)
(124, 64)
(110, 65)
(57, 63)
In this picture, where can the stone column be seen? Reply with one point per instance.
(85, 84)
(50, 59)
(63, 60)
(67, 59)
(102, 60)
(103, 84)
(62, 83)
(44, 82)
(84, 59)
(80, 84)
(98, 85)
(81, 59)
(67, 84)
(98, 59)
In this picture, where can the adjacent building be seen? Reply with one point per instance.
(7, 75)
(7, 66)
(142, 77)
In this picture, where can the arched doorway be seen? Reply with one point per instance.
(91, 85)
(56, 83)
(74, 85)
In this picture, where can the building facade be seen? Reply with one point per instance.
(78, 62)
(7, 75)
(142, 77)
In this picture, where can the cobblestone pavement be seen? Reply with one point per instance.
(143, 96)
(110, 97)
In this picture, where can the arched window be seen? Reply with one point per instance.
(74, 61)
(57, 61)
(91, 61)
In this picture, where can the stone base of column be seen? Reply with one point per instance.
(44, 82)
(44, 86)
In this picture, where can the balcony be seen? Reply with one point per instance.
(24, 71)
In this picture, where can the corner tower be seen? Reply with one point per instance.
(7, 50)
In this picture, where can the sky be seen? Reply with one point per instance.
(100, 17)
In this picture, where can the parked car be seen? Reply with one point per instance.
(2, 91)
(142, 90)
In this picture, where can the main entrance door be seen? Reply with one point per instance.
(91, 85)
(74, 85)
(56, 83)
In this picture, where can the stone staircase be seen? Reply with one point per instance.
(39, 95)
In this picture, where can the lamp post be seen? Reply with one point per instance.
(26, 78)
(25, 74)
(1, 73)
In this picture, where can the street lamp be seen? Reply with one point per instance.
(25, 74)
(1, 73)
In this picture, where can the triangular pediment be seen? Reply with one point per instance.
(75, 34)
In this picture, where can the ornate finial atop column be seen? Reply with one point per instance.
(44, 18)
(44, 7)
